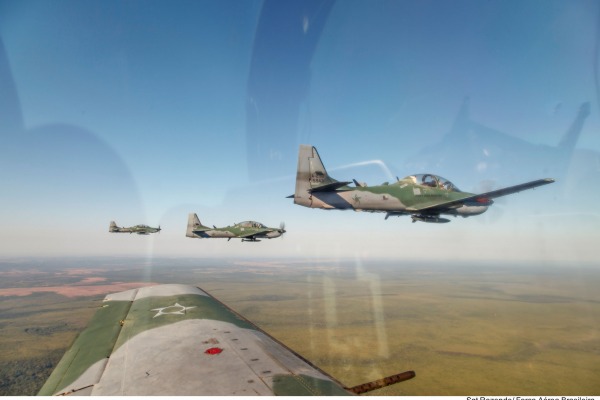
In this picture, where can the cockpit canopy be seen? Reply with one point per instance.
(433, 181)
(251, 224)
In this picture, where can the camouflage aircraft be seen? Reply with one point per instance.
(171, 340)
(248, 231)
(424, 197)
(139, 229)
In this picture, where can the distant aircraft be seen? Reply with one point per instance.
(171, 340)
(139, 229)
(424, 197)
(248, 231)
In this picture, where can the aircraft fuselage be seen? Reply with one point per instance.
(394, 198)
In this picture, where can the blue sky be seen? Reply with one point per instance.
(144, 111)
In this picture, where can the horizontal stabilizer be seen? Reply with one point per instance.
(330, 187)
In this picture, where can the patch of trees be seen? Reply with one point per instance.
(26, 377)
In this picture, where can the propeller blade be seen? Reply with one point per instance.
(282, 228)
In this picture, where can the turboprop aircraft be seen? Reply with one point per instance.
(248, 231)
(424, 196)
(171, 340)
(139, 229)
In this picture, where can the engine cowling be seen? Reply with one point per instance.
(470, 210)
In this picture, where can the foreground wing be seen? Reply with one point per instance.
(484, 198)
(178, 340)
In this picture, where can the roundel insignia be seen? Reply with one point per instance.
(175, 309)
(213, 351)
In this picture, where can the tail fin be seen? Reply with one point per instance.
(569, 140)
(113, 227)
(312, 176)
(194, 225)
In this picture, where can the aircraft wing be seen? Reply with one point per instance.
(178, 340)
(484, 198)
(253, 234)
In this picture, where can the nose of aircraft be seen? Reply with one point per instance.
(277, 232)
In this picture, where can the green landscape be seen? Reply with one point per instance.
(464, 329)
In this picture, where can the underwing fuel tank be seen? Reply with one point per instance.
(429, 218)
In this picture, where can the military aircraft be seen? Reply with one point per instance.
(139, 229)
(248, 231)
(424, 196)
(179, 340)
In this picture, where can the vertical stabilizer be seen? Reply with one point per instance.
(311, 174)
(113, 227)
(569, 140)
(10, 105)
(193, 224)
(462, 122)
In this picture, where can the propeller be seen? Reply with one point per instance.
(281, 228)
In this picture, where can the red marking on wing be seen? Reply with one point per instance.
(213, 351)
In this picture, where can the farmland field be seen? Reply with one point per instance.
(465, 330)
